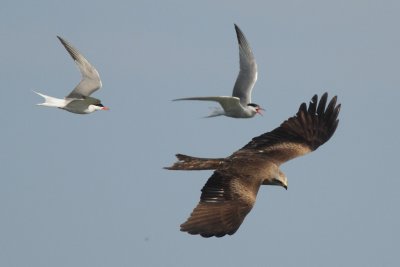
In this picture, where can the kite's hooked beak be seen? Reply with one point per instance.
(284, 183)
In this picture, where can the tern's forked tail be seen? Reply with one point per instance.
(192, 163)
(50, 101)
(216, 112)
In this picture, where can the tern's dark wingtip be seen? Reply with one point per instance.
(237, 29)
(61, 40)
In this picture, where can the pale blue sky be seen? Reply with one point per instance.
(90, 190)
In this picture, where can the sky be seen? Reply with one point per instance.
(90, 190)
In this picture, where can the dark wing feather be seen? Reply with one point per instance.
(225, 201)
(300, 134)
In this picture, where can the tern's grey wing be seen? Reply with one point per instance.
(298, 135)
(248, 70)
(83, 101)
(91, 100)
(225, 201)
(90, 81)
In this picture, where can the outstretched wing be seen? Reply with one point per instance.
(226, 102)
(225, 201)
(248, 70)
(90, 81)
(300, 134)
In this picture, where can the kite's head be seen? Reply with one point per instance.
(279, 178)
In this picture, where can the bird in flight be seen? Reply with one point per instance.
(238, 105)
(79, 100)
(231, 191)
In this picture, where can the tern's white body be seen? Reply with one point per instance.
(231, 106)
(78, 106)
(239, 104)
(79, 100)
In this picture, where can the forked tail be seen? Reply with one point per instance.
(50, 101)
(216, 112)
(192, 163)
